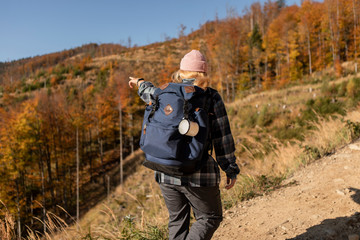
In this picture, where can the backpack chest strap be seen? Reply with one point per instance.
(186, 109)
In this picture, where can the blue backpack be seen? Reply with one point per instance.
(166, 149)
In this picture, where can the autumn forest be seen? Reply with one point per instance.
(68, 119)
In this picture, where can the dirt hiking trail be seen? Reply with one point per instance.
(322, 202)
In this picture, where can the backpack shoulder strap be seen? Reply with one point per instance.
(209, 108)
(210, 92)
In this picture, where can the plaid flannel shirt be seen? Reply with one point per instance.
(223, 142)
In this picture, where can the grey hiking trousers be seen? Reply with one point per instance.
(205, 203)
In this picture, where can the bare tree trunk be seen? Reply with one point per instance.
(251, 21)
(346, 51)
(131, 125)
(337, 20)
(101, 149)
(309, 51)
(250, 60)
(18, 212)
(237, 69)
(338, 29)
(32, 208)
(277, 67)
(56, 161)
(355, 28)
(333, 46)
(108, 185)
(227, 89)
(320, 46)
(258, 77)
(77, 176)
(266, 66)
(121, 144)
(332, 39)
(233, 88)
(288, 55)
(48, 166)
(64, 170)
(43, 192)
(90, 158)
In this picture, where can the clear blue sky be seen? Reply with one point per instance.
(35, 27)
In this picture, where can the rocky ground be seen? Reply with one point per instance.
(320, 201)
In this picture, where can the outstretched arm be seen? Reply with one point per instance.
(146, 89)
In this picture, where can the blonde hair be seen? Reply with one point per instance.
(201, 79)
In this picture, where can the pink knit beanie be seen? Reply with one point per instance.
(193, 61)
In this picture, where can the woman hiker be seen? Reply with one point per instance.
(200, 190)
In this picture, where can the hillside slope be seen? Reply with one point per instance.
(284, 214)
(322, 201)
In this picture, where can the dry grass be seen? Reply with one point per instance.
(7, 224)
(286, 157)
(138, 203)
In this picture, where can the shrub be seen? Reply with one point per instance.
(268, 183)
(323, 106)
(56, 79)
(264, 118)
(131, 231)
(351, 88)
(29, 87)
(40, 74)
(61, 69)
(78, 72)
(325, 87)
(354, 129)
(101, 79)
(289, 133)
(330, 90)
(341, 91)
(313, 153)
